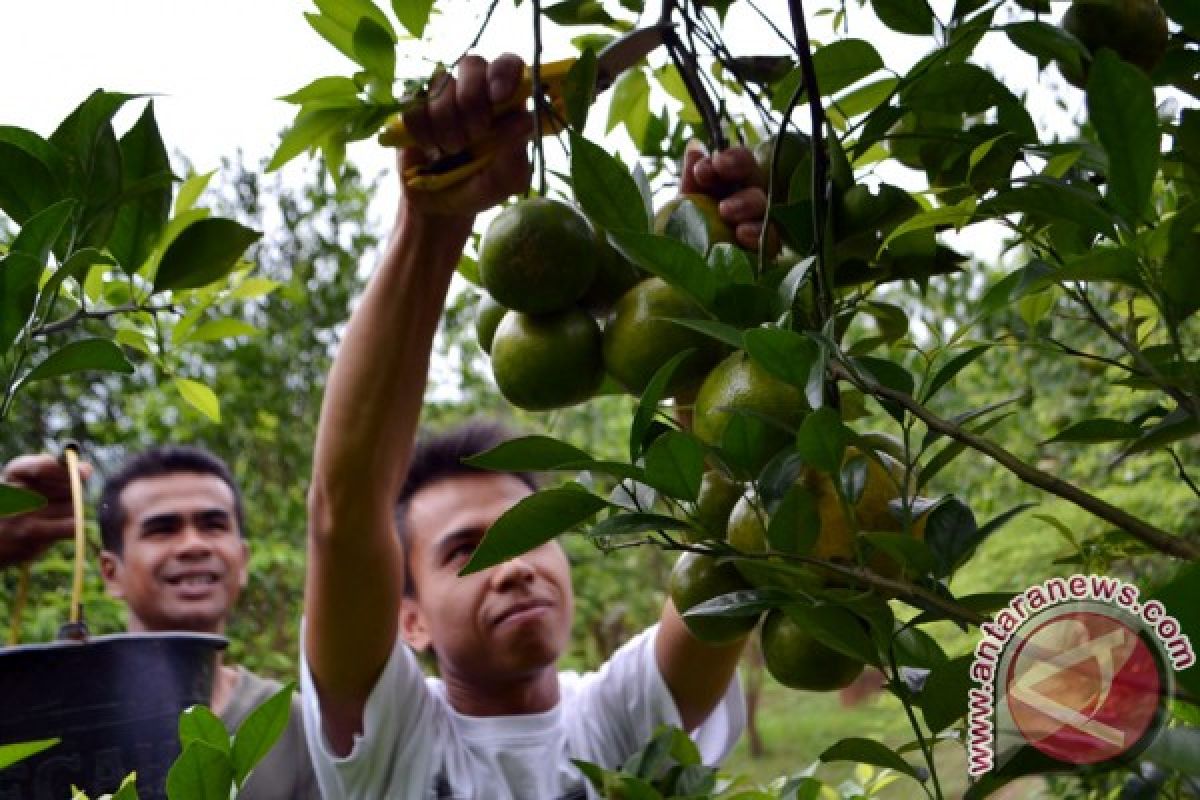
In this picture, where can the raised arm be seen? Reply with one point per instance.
(697, 673)
(373, 398)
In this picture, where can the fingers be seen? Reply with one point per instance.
(693, 154)
(44, 474)
(446, 126)
(733, 175)
(503, 77)
(471, 96)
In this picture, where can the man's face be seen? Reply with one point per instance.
(506, 622)
(184, 560)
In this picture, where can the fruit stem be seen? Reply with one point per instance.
(538, 97)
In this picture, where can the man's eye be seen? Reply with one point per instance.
(459, 552)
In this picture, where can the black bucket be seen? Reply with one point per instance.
(113, 700)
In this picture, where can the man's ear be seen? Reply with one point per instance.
(112, 570)
(412, 625)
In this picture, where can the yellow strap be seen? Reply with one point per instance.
(72, 456)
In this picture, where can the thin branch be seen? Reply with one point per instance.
(1183, 472)
(538, 97)
(82, 314)
(1139, 529)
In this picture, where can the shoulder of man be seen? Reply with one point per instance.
(252, 691)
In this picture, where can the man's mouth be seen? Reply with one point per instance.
(521, 611)
(194, 580)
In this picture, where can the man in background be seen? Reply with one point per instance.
(174, 551)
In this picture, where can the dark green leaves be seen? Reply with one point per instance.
(532, 522)
(1120, 102)
(258, 733)
(671, 260)
(579, 89)
(869, 751)
(13, 753)
(529, 454)
(29, 180)
(198, 723)
(605, 190)
(413, 15)
(790, 357)
(1094, 431)
(844, 63)
(202, 773)
(822, 439)
(1047, 43)
(141, 218)
(956, 88)
(675, 465)
(952, 534)
(206, 251)
(905, 16)
(80, 356)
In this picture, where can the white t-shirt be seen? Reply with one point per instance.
(415, 746)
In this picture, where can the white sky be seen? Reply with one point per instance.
(218, 65)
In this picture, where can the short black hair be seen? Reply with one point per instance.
(152, 463)
(438, 456)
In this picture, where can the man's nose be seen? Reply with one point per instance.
(512, 573)
(193, 542)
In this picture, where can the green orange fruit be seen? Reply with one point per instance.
(739, 385)
(615, 275)
(1135, 29)
(640, 338)
(488, 314)
(549, 361)
(697, 578)
(799, 661)
(538, 256)
(718, 495)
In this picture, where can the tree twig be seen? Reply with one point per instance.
(1139, 529)
(82, 314)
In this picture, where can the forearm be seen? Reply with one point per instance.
(698, 674)
(368, 421)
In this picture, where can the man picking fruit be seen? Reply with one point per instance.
(501, 721)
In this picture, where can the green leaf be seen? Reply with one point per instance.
(528, 454)
(219, 329)
(743, 603)
(1177, 425)
(843, 63)
(258, 732)
(727, 334)
(579, 89)
(202, 773)
(29, 181)
(1047, 43)
(578, 12)
(338, 36)
(868, 751)
(375, 49)
(943, 700)
(17, 500)
(254, 288)
(1186, 13)
(956, 88)
(190, 190)
(141, 219)
(1181, 598)
(310, 129)
(37, 236)
(199, 397)
(630, 524)
(950, 369)
(413, 15)
(80, 356)
(532, 522)
(347, 14)
(1120, 101)
(13, 753)
(630, 104)
(1052, 201)
(795, 522)
(336, 91)
(647, 409)
(914, 17)
(198, 723)
(606, 191)
(128, 788)
(671, 260)
(674, 464)
(206, 251)
(1094, 431)
(787, 355)
(822, 439)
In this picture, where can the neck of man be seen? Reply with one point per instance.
(528, 694)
